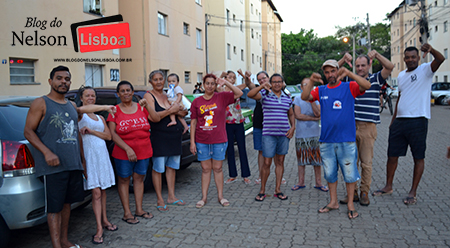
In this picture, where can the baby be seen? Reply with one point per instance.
(175, 94)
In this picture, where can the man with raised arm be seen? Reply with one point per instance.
(338, 131)
(409, 125)
(367, 115)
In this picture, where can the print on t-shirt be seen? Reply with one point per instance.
(337, 104)
(129, 125)
(66, 126)
(209, 119)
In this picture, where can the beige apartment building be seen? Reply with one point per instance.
(167, 35)
(36, 37)
(271, 29)
(405, 32)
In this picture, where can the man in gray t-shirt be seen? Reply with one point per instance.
(307, 140)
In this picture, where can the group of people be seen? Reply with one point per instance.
(70, 139)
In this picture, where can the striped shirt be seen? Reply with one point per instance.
(367, 106)
(275, 113)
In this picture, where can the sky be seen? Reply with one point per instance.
(324, 15)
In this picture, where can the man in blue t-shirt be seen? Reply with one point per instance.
(338, 131)
(366, 117)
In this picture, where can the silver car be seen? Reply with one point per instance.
(22, 201)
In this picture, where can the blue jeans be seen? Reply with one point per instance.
(236, 131)
(344, 155)
(211, 151)
(272, 145)
(160, 163)
(125, 168)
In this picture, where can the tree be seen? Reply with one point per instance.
(304, 53)
(380, 39)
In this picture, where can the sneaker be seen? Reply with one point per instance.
(247, 181)
(283, 181)
(364, 199)
(345, 200)
(230, 180)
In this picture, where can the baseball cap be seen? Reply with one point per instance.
(330, 62)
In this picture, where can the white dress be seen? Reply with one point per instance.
(98, 164)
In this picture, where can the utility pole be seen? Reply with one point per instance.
(206, 42)
(423, 26)
(369, 46)
(354, 50)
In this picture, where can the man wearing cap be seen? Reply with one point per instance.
(367, 115)
(338, 131)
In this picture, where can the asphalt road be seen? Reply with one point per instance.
(387, 222)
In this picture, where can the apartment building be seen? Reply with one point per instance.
(37, 37)
(168, 35)
(271, 29)
(405, 32)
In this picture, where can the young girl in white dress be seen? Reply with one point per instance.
(98, 169)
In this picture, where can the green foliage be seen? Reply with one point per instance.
(304, 53)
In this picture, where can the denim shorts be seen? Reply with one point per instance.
(272, 145)
(211, 151)
(344, 155)
(160, 163)
(125, 168)
(257, 139)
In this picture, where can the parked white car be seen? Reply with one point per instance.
(440, 91)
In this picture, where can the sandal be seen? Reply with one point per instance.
(322, 188)
(297, 187)
(162, 208)
(410, 200)
(95, 242)
(260, 197)
(351, 214)
(247, 181)
(230, 180)
(326, 209)
(131, 221)
(280, 196)
(258, 181)
(145, 215)
(111, 227)
(200, 204)
(224, 202)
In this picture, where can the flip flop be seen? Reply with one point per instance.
(322, 188)
(297, 187)
(150, 216)
(162, 208)
(97, 242)
(111, 228)
(327, 208)
(200, 204)
(177, 203)
(129, 220)
(382, 192)
(75, 246)
(224, 202)
(280, 196)
(261, 197)
(410, 200)
(351, 214)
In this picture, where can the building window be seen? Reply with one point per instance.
(251, 8)
(241, 26)
(242, 54)
(436, 78)
(234, 18)
(446, 53)
(414, 42)
(445, 2)
(253, 58)
(162, 24)
(199, 77)
(435, 29)
(228, 17)
(414, 22)
(228, 51)
(187, 77)
(92, 6)
(406, 27)
(260, 40)
(445, 26)
(21, 71)
(252, 33)
(185, 28)
(234, 50)
(398, 32)
(199, 38)
(199, 2)
(446, 79)
(93, 75)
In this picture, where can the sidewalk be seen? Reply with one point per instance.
(387, 222)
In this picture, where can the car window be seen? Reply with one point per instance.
(12, 122)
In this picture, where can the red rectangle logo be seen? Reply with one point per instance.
(104, 37)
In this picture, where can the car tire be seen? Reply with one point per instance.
(439, 100)
(5, 233)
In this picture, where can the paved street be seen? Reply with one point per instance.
(387, 222)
